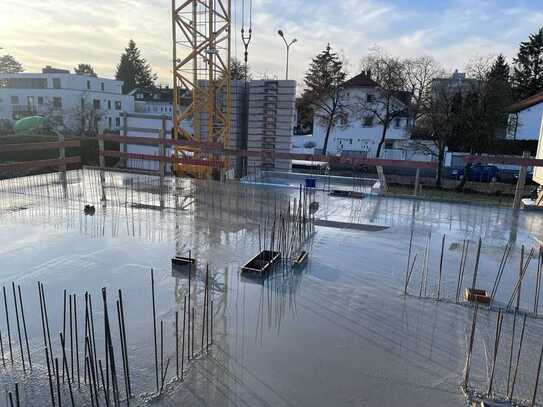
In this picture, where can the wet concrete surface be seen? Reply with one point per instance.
(338, 332)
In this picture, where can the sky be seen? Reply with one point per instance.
(63, 33)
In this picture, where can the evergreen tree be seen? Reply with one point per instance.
(8, 64)
(499, 96)
(84, 69)
(528, 74)
(323, 91)
(134, 70)
(499, 71)
(239, 71)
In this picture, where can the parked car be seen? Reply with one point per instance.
(479, 173)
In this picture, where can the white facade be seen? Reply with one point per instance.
(152, 107)
(361, 136)
(538, 171)
(148, 125)
(526, 124)
(65, 98)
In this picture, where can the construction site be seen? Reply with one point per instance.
(200, 269)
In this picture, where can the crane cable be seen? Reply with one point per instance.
(246, 37)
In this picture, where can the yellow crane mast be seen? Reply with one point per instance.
(202, 102)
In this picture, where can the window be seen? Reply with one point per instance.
(118, 105)
(15, 100)
(96, 103)
(30, 101)
(117, 122)
(367, 121)
(24, 83)
(109, 104)
(370, 98)
(57, 103)
(397, 122)
(40, 100)
(88, 85)
(109, 122)
(102, 86)
(56, 83)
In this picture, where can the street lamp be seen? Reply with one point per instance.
(288, 44)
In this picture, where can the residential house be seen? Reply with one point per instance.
(360, 134)
(525, 118)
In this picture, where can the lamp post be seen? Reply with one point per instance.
(288, 44)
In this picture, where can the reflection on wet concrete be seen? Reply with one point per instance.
(336, 333)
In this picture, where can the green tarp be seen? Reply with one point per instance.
(28, 124)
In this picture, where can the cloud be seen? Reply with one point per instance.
(66, 32)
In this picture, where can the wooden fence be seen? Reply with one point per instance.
(61, 162)
(217, 150)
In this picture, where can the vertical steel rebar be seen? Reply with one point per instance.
(154, 325)
(18, 327)
(7, 323)
(24, 326)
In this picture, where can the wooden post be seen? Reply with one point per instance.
(162, 163)
(417, 181)
(102, 162)
(521, 182)
(62, 167)
(382, 179)
(125, 133)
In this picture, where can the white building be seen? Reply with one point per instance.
(525, 118)
(65, 98)
(361, 135)
(157, 101)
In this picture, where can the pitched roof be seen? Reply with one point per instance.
(361, 80)
(527, 103)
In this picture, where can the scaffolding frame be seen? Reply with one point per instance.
(201, 33)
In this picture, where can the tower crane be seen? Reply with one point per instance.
(202, 105)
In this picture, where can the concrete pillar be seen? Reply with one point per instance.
(521, 181)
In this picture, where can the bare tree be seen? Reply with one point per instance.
(324, 92)
(419, 74)
(387, 105)
(86, 118)
(440, 121)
